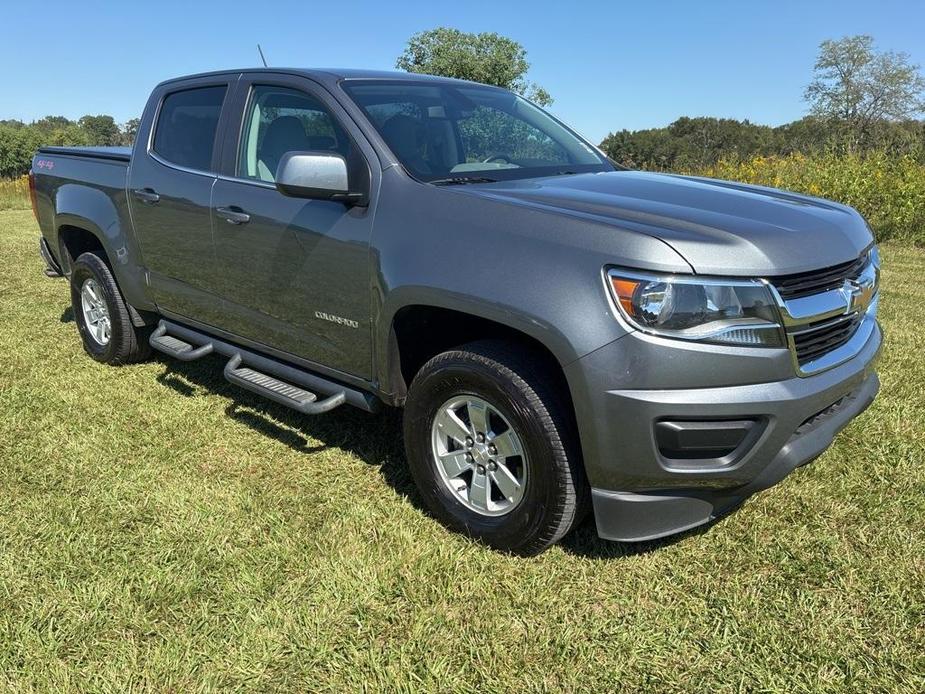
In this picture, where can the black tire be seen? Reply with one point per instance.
(520, 387)
(126, 343)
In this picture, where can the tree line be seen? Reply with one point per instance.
(18, 140)
(860, 99)
(692, 144)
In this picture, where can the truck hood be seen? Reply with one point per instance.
(719, 227)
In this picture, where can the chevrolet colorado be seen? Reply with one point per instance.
(563, 334)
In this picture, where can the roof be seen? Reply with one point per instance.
(331, 74)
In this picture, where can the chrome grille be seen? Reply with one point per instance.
(815, 340)
(809, 283)
(829, 314)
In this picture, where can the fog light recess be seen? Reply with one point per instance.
(704, 443)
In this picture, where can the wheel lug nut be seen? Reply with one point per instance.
(481, 469)
(492, 449)
(469, 442)
(468, 457)
(492, 466)
(480, 438)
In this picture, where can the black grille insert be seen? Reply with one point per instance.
(809, 283)
(817, 339)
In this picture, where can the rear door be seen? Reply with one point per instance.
(170, 189)
(295, 275)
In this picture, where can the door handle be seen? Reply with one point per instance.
(147, 196)
(233, 215)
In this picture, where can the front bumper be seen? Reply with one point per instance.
(639, 494)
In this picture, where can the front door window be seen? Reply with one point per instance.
(281, 120)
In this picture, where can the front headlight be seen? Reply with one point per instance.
(732, 312)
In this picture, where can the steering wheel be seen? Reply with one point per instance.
(502, 156)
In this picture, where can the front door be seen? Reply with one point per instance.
(294, 272)
(170, 189)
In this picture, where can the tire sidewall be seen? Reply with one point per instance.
(85, 268)
(461, 378)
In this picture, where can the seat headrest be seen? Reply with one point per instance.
(404, 134)
(286, 132)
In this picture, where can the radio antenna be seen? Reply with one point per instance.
(260, 51)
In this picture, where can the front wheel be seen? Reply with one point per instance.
(102, 316)
(491, 447)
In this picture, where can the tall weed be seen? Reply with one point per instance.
(14, 193)
(888, 190)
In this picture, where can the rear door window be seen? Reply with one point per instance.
(186, 126)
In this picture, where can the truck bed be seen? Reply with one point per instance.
(113, 153)
(69, 182)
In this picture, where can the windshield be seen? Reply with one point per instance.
(444, 132)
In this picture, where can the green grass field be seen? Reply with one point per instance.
(162, 530)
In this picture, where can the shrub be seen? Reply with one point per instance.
(14, 193)
(888, 190)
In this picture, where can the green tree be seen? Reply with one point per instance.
(129, 131)
(68, 136)
(689, 143)
(17, 145)
(50, 123)
(100, 130)
(858, 86)
(488, 58)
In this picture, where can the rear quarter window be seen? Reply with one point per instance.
(186, 126)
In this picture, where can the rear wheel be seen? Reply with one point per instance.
(492, 449)
(102, 316)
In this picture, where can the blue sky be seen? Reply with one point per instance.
(609, 65)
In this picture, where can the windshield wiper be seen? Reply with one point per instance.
(462, 180)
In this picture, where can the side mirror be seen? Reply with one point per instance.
(316, 175)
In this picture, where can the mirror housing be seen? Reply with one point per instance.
(317, 176)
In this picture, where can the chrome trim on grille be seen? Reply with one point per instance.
(840, 354)
(812, 308)
(854, 302)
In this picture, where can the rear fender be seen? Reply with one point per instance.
(95, 212)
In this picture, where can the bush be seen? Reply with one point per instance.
(14, 194)
(703, 141)
(18, 140)
(17, 145)
(888, 190)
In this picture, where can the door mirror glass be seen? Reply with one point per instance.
(316, 175)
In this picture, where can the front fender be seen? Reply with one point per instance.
(562, 346)
(534, 271)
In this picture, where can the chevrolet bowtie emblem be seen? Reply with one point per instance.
(857, 294)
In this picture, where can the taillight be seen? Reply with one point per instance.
(32, 197)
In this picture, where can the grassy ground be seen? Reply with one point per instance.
(160, 529)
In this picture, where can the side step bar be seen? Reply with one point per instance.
(279, 391)
(272, 379)
(176, 348)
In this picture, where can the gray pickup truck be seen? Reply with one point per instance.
(563, 334)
